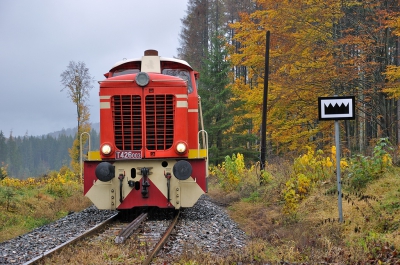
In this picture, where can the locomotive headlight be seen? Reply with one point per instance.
(142, 79)
(181, 148)
(106, 149)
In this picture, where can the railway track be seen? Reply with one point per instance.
(153, 241)
(88, 233)
(162, 240)
(202, 229)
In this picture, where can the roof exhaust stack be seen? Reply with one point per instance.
(150, 53)
(151, 62)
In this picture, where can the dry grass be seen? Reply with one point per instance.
(313, 234)
(36, 208)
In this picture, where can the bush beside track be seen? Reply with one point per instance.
(33, 202)
(291, 210)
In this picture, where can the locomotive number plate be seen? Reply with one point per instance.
(128, 154)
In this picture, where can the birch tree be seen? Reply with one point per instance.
(78, 82)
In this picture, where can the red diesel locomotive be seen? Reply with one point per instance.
(152, 152)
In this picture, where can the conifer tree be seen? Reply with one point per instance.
(215, 94)
(3, 149)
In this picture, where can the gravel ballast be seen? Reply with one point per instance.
(26, 247)
(205, 227)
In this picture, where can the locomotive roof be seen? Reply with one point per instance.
(165, 59)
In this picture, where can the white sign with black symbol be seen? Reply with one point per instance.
(336, 108)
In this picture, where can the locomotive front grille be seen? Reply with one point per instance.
(159, 122)
(128, 127)
(127, 119)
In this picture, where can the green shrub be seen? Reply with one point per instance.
(364, 169)
(230, 173)
(7, 197)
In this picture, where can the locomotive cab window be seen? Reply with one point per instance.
(125, 72)
(181, 73)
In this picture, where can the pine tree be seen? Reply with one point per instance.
(215, 94)
(13, 157)
(3, 148)
(194, 36)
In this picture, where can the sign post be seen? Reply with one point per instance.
(337, 108)
(338, 173)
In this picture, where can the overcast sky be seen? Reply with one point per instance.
(40, 37)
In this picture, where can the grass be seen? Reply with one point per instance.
(311, 234)
(32, 203)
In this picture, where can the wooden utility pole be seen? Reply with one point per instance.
(264, 111)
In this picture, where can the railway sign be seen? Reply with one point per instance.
(336, 108)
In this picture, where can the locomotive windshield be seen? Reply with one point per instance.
(125, 72)
(181, 73)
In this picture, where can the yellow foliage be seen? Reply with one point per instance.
(329, 162)
(230, 173)
(394, 22)
(343, 162)
(393, 85)
(301, 53)
(386, 160)
(11, 182)
(303, 185)
(317, 166)
(309, 169)
(56, 183)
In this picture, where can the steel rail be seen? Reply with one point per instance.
(79, 237)
(128, 231)
(162, 241)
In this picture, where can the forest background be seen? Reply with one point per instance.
(318, 48)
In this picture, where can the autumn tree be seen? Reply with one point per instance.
(77, 80)
(301, 68)
(366, 45)
(318, 48)
(392, 71)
